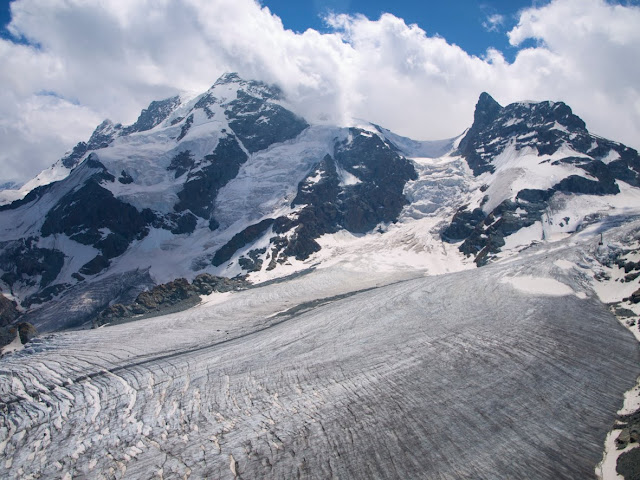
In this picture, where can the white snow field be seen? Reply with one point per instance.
(339, 372)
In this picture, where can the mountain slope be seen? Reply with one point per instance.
(231, 183)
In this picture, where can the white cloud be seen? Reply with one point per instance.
(493, 22)
(110, 58)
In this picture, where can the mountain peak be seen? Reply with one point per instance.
(228, 77)
(487, 109)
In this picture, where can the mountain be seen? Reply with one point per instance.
(308, 303)
(232, 183)
(537, 162)
(227, 183)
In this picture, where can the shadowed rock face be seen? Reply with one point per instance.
(8, 311)
(409, 380)
(199, 191)
(360, 188)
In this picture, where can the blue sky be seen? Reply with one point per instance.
(465, 23)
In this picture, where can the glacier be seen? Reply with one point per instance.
(336, 373)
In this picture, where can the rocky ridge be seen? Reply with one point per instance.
(552, 136)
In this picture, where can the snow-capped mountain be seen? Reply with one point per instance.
(537, 162)
(322, 310)
(232, 183)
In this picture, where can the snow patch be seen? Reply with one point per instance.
(612, 156)
(539, 286)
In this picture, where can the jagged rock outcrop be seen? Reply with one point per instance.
(161, 298)
(8, 311)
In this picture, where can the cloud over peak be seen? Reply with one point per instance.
(109, 59)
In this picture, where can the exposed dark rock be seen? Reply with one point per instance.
(44, 295)
(252, 261)
(543, 127)
(33, 196)
(259, 123)
(206, 284)
(73, 158)
(239, 240)
(153, 115)
(185, 128)
(634, 298)
(84, 212)
(487, 110)
(578, 184)
(374, 197)
(80, 303)
(125, 178)
(629, 464)
(162, 297)
(463, 224)
(95, 265)
(383, 174)
(213, 224)
(23, 261)
(201, 188)
(113, 245)
(185, 223)
(204, 104)
(8, 311)
(101, 137)
(27, 332)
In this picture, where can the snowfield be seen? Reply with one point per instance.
(337, 372)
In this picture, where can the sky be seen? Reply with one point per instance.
(416, 68)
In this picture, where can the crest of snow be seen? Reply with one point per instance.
(315, 179)
(14, 346)
(76, 254)
(527, 135)
(268, 181)
(368, 128)
(513, 121)
(226, 92)
(54, 173)
(419, 148)
(557, 126)
(539, 286)
(524, 236)
(516, 170)
(347, 179)
(611, 157)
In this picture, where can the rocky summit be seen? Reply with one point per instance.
(222, 289)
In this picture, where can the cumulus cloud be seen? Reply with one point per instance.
(87, 60)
